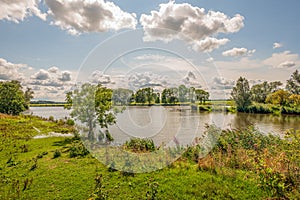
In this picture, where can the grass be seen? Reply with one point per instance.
(29, 169)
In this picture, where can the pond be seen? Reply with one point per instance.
(165, 124)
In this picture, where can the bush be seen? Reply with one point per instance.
(140, 145)
(77, 150)
(56, 153)
(70, 122)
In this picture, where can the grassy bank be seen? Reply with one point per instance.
(243, 165)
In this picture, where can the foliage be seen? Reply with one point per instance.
(28, 95)
(260, 92)
(293, 84)
(92, 104)
(280, 97)
(140, 145)
(241, 94)
(122, 96)
(201, 95)
(12, 99)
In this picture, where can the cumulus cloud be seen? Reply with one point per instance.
(80, 16)
(277, 45)
(238, 52)
(53, 69)
(209, 44)
(99, 77)
(10, 71)
(18, 10)
(41, 75)
(282, 60)
(287, 64)
(192, 24)
(222, 83)
(65, 76)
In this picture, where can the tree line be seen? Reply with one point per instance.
(169, 96)
(267, 93)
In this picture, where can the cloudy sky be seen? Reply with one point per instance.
(50, 45)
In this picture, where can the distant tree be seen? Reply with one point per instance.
(201, 95)
(122, 96)
(28, 96)
(170, 95)
(280, 97)
(182, 93)
(157, 98)
(12, 99)
(150, 95)
(191, 94)
(293, 84)
(260, 92)
(241, 94)
(140, 96)
(92, 104)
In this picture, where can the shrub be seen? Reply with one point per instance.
(56, 153)
(140, 145)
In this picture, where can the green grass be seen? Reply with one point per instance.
(29, 169)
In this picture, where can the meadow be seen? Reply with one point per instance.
(244, 164)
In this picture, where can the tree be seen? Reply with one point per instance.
(280, 97)
(293, 84)
(182, 93)
(145, 95)
(121, 96)
(92, 104)
(28, 96)
(295, 99)
(260, 92)
(241, 94)
(12, 99)
(201, 95)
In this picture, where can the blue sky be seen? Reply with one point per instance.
(49, 45)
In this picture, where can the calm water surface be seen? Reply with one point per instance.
(170, 124)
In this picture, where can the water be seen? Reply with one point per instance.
(170, 125)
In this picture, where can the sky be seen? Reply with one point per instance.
(51, 45)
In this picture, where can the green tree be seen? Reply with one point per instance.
(260, 92)
(182, 93)
(241, 94)
(280, 97)
(191, 94)
(28, 95)
(170, 95)
(293, 84)
(12, 99)
(92, 104)
(121, 96)
(145, 95)
(201, 95)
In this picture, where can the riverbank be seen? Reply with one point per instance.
(60, 168)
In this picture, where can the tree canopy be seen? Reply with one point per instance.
(293, 84)
(12, 99)
(241, 94)
(91, 104)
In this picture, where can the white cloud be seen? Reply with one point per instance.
(10, 71)
(65, 76)
(209, 44)
(277, 45)
(80, 16)
(53, 69)
(287, 64)
(99, 77)
(41, 75)
(192, 24)
(18, 10)
(282, 59)
(238, 52)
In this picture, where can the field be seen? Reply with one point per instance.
(241, 166)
